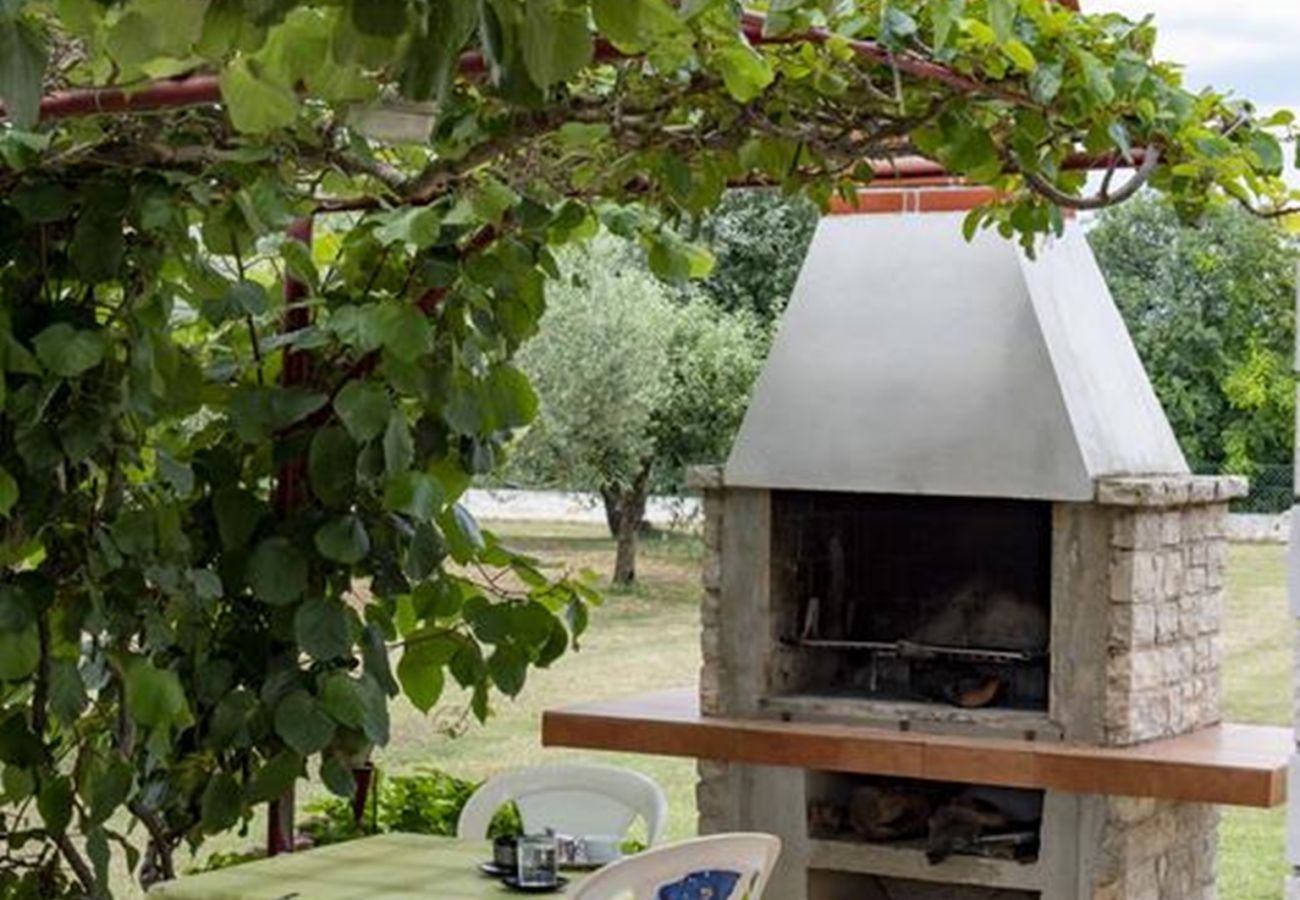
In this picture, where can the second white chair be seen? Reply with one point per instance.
(744, 861)
(571, 799)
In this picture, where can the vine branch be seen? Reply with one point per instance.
(1104, 198)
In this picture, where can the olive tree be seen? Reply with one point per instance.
(214, 422)
(635, 382)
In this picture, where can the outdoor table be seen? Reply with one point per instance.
(385, 866)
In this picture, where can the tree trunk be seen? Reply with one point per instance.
(612, 497)
(624, 512)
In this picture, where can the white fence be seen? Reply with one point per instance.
(1259, 528)
(562, 506)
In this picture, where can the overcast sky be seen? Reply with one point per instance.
(1249, 46)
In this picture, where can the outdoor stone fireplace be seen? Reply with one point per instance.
(956, 507)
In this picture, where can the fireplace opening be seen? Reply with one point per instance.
(943, 819)
(913, 598)
(828, 885)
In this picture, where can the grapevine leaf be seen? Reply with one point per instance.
(156, 697)
(303, 724)
(68, 352)
(221, 803)
(332, 466)
(363, 408)
(556, 41)
(343, 540)
(9, 493)
(323, 628)
(256, 104)
(277, 572)
(22, 70)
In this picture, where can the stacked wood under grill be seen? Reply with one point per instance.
(949, 819)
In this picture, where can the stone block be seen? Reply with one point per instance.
(1212, 605)
(1151, 713)
(711, 534)
(711, 611)
(705, 477)
(1215, 578)
(1231, 487)
(1172, 576)
(1128, 810)
(711, 645)
(1168, 622)
(1132, 625)
(1119, 673)
(1176, 873)
(711, 691)
(1171, 528)
(1196, 579)
(1142, 883)
(1206, 654)
(712, 504)
(1136, 576)
(1159, 490)
(1136, 530)
(1189, 616)
(1143, 716)
(1212, 698)
(1217, 551)
(1203, 523)
(1113, 890)
(1155, 836)
(711, 572)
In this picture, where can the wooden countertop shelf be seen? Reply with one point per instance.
(1236, 765)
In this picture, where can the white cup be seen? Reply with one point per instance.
(602, 848)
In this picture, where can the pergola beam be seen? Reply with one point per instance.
(202, 89)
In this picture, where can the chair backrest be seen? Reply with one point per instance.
(571, 799)
(645, 875)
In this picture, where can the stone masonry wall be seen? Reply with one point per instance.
(713, 790)
(1166, 586)
(1156, 850)
(1168, 554)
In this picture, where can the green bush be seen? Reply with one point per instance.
(428, 802)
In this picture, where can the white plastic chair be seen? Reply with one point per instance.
(641, 877)
(576, 800)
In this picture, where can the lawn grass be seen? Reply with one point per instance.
(648, 639)
(1257, 632)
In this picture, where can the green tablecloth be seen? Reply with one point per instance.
(386, 866)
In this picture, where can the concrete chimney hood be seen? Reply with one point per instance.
(912, 362)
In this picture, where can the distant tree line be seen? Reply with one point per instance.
(1212, 312)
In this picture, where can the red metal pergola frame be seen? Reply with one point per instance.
(205, 89)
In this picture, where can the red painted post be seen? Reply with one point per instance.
(365, 779)
(290, 493)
